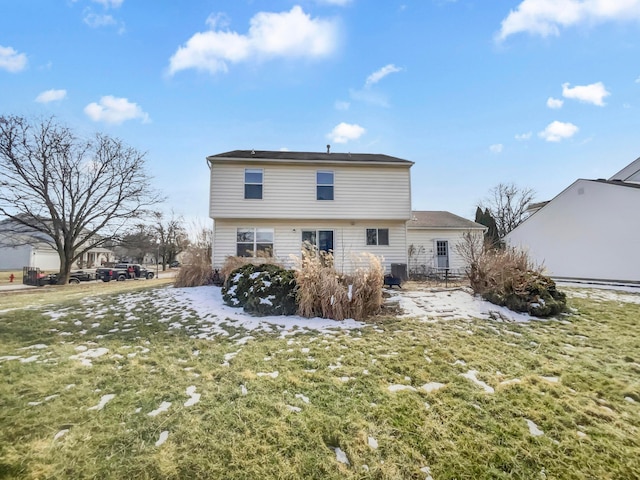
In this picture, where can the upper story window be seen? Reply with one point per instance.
(324, 185)
(253, 183)
(377, 236)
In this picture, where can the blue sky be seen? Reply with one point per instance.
(536, 92)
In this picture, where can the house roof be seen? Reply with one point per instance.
(442, 220)
(630, 173)
(269, 155)
(619, 183)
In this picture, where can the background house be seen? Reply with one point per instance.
(591, 230)
(432, 237)
(270, 202)
(20, 248)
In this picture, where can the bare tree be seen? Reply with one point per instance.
(172, 234)
(507, 204)
(78, 194)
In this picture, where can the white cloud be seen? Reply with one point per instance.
(378, 75)
(287, 34)
(340, 3)
(523, 136)
(217, 20)
(51, 96)
(342, 105)
(554, 103)
(109, 3)
(496, 148)
(638, 80)
(115, 110)
(546, 17)
(343, 132)
(593, 93)
(557, 131)
(95, 20)
(11, 60)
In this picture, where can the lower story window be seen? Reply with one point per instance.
(377, 236)
(323, 239)
(253, 242)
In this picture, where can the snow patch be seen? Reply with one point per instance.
(398, 388)
(533, 428)
(164, 406)
(163, 438)
(432, 386)
(103, 401)
(60, 434)
(86, 356)
(341, 456)
(471, 375)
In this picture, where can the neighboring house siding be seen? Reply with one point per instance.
(589, 231)
(422, 259)
(349, 236)
(14, 258)
(47, 259)
(289, 191)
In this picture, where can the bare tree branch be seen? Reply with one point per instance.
(508, 205)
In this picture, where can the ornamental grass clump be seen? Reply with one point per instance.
(323, 292)
(196, 269)
(509, 278)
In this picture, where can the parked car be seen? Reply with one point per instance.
(124, 271)
(74, 277)
(174, 264)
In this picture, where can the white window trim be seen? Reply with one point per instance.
(377, 244)
(332, 185)
(244, 185)
(255, 239)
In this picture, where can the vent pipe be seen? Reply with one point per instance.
(328, 148)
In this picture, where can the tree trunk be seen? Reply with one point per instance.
(66, 261)
(65, 270)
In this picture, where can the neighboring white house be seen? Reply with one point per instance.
(273, 201)
(432, 237)
(591, 230)
(24, 249)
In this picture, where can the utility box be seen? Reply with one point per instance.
(399, 270)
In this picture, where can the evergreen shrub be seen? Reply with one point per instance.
(261, 290)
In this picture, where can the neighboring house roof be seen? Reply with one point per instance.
(534, 207)
(630, 173)
(441, 220)
(266, 155)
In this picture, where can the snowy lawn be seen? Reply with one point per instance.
(170, 383)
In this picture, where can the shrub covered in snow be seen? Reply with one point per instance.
(261, 290)
(509, 278)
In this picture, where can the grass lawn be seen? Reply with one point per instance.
(113, 382)
(6, 274)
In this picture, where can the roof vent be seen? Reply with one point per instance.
(328, 148)
(253, 152)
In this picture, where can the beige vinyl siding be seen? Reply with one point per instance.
(424, 243)
(349, 237)
(376, 192)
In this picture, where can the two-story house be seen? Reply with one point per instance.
(270, 202)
